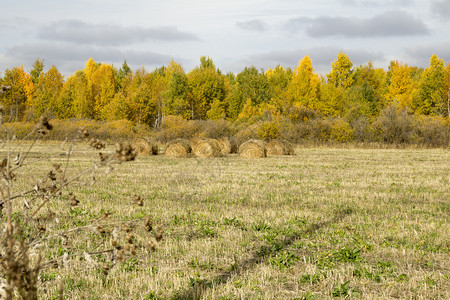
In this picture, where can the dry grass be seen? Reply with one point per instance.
(357, 223)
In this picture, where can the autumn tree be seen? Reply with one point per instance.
(250, 84)
(401, 86)
(103, 87)
(365, 98)
(14, 101)
(123, 72)
(303, 89)
(206, 86)
(447, 87)
(332, 100)
(432, 93)
(278, 80)
(140, 98)
(341, 72)
(46, 94)
(37, 70)
(175, 100)
(75, 98)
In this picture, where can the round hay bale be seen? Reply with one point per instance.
(280, 147)
(195, 140)
(207, 148)
(225, 145)
(253, 149)
(178, 148)
(142, 147)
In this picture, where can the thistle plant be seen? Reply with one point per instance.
(26, 226)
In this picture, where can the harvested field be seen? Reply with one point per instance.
(325, 223)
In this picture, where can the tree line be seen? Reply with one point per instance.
(103, 92)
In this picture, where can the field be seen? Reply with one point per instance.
(325, 223)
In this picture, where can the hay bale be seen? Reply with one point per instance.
(253, 149)
(178, 148)
(280, 147)
(207, 148)
(144, 147)
(195, 140)
(225, 145)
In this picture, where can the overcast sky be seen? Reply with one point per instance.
(234, 33)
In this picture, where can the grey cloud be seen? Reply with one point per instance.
(441, 8)
(252, 25)
(66, 56)
(109, 34)
(392, 23)
(373, 3)
(420, 54)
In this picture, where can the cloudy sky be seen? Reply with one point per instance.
(234, 33)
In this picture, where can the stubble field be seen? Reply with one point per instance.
(325, 223)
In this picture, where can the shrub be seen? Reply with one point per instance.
(269, 130)
(395, 126)
(245, 133)
(433, 131)
(340, 131)
(176, 127)
(361, 129)
(216, 129)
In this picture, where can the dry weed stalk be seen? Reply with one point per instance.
(18, 265)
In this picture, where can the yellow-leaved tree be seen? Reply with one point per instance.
(432, 91)
(304, 86)
(341, 72)
(14, 101)
(46, 94)
(401, 86)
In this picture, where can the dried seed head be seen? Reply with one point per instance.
(51, 175)
(106, 268)
(41, 228)
(126, 227)
(97, 144)
(148, 224)
(159, 234)
(151, 245)
(130, 238)
(124, 152)
(120, 255)
(43, 124)
(106, 214)
(138, 200)
(83, 133)
(73, 200)
(57, 168)
(103, 158)
(4, 163)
